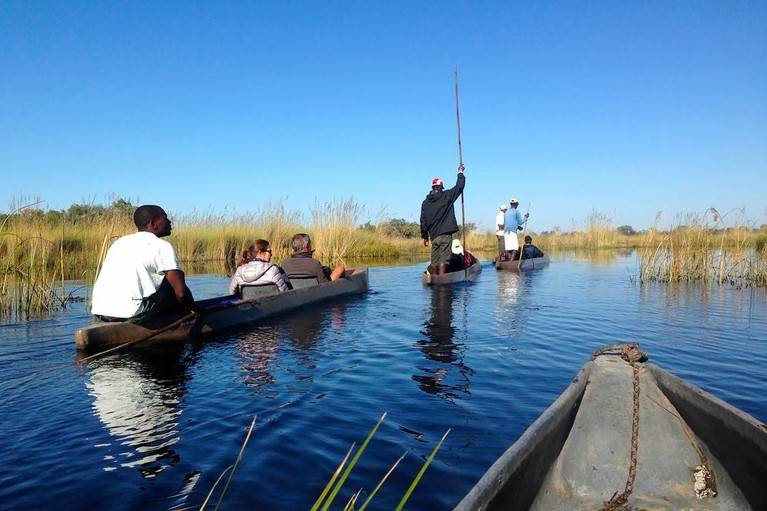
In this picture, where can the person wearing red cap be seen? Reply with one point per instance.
(438, 222)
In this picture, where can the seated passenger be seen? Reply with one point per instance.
(302, 265)
(140, 277)
(530, 251)
(458, 259)
(456, 262)
(255, 268)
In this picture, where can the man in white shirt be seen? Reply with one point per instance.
(500, 219)
(140, 277)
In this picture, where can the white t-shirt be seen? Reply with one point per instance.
(500, 219)
(133, 269)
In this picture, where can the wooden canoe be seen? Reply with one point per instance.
(527, 264)
(576, 455)
(453, 276)
(221, 313)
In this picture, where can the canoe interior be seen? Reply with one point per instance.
(453, 276)
(221, 313)
(527, 264)
(734, 438)
(576, 455)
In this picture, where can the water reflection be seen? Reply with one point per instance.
(304, 329)
(138, 398)
(511, 286)
(257, 350)
(440, 345)
(594, 256)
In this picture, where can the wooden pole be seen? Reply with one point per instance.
(460, 164)
(524, 231)
(141, 339)
(116, 348)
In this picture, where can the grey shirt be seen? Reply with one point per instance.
(302, 265)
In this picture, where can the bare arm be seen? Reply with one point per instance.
(178, 283)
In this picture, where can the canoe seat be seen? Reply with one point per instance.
(301, 282)
(254, 291)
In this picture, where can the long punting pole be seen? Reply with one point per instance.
(460, 163)
(142, 339)
(521, 250)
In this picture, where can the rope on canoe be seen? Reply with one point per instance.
(704, 478)
(632, 354)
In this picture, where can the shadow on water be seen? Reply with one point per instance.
(445, 344)
(137, 397)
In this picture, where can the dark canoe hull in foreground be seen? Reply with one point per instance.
(454, 276)
(222, 313)
(527, 264)
(576, 455)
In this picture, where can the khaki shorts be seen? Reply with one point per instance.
(441, 249)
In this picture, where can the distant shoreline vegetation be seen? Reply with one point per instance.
(41, 248)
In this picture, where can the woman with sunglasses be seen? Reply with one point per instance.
(255, 268)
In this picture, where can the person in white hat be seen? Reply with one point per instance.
(513, 223)
(500, 220)
(459, 260)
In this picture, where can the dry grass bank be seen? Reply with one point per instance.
(39, 251)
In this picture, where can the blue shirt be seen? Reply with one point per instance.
(513, 219)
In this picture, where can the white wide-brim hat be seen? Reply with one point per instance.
(456, 247)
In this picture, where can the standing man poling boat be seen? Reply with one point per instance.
(140, 277)
(513, 223)
(438, 222)
(500, 221)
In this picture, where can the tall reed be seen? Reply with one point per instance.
(703, 248)
(40, 249)
(32, 270)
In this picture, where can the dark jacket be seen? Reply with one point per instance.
(459, 262)
(437, 215)
(302, 265)
(531, 252)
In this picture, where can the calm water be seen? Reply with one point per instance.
(153, 429)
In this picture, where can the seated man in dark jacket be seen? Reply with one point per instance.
(530, 251)
(302, 265)
(438, 221)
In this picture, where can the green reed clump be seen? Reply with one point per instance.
(32, 268)
(345, 468)
(703, 248)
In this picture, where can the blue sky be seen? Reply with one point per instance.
(628, 108)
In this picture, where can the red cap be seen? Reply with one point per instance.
(437, 182)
